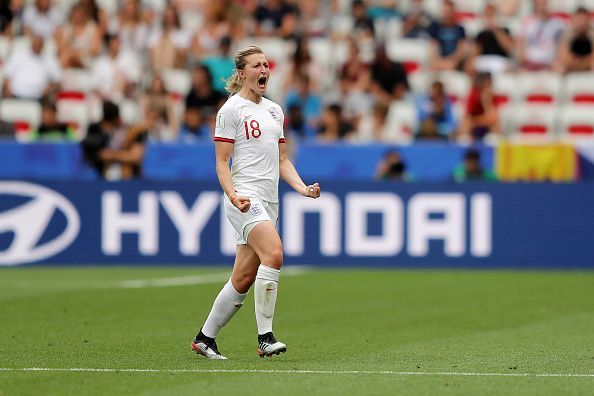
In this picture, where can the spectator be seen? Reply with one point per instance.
(472, 169)
(156, 99)
(362, 24)
(429, 130)
(216, 25)
(221, 65)
(308, 102)
(417, 22)
(131, 27)
(539, 39)
(107, 134)
(373, 127)
(30, 75)
(314, 22)
(354, 101)
(355, 70)
(193, 129)
(41, 19)
(481, 115)
(269, 17)
(50, 128)
(7, 131)
(169, 43)
(391, 167)
(508, 8)
(117, 73)
(302, 63)
(78, 41)
(388, 79)
(448, 48)
(202, 96)
(96, 14)
(576, 43)
(6, 16)
(493, 47)
(332, 126)
(437, 107)
(155, 125)
(297, 126)
(382, 9)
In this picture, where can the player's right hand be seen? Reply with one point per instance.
(241, 203)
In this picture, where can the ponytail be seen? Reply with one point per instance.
(233, 84)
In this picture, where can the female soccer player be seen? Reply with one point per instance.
(249, 128)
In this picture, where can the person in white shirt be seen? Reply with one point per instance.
(42, 19)
(117, 72)
(31, 75)
(249, 128)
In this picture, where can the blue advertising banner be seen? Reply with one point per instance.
(362, 224)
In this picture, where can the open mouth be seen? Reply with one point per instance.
(262, 82)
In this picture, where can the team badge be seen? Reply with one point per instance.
(275, 115)
(256, 210)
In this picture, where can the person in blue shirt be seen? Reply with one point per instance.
(448, 40)
(221, 66)
(309, 103)
(437, 107)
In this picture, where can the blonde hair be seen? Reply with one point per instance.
(234, 83)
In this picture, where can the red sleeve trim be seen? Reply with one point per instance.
(220, 139)
(281, 140)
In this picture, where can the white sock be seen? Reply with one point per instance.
(265, 290)
(224, 307)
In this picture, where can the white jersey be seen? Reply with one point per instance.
(255, 131)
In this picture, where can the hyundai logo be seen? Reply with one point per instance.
(29, 221)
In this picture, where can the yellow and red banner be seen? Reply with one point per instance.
(524, 162)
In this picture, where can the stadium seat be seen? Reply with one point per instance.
(412, 53)
(562, 8)
(109, 6)
(387, 28)
(468, 9)
(76, 84)
(505, 87)
(402, 120)
(327, 53)
(421, 81)
(75, 113)
(457, 85)
(130, 111)
(24, 114)
(576, 121)
(178, 82)
(342, 25)
(531, 120)
(155, 5)
(579, 88)
(539, 88)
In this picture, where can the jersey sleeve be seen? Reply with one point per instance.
(226, 126)
(281, 139)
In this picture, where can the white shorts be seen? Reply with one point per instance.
(243, 223)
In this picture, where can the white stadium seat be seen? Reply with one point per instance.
(402, 121)
(412, 53)
(177, 81)
(130, 111)
(530, 120)
(579, 88)
(505, 87)
(457, 84)
(576, 121)
(541, 87)
(24, 114)
(75, 113)
(77, 81)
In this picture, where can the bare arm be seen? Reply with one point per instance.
(289, 174)
(223, 154)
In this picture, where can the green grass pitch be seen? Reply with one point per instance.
(348, 332)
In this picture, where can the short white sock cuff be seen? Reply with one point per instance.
(267, 273)
(233, 294)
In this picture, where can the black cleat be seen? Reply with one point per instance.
(206, 347)
(268, 345)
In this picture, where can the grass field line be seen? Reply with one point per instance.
(196, 279)
(329, 372)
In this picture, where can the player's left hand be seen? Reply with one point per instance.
(312, 191)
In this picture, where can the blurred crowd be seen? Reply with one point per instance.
(358, 71)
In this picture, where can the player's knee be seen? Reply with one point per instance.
(275, 257)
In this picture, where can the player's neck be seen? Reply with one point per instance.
(250, 95)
